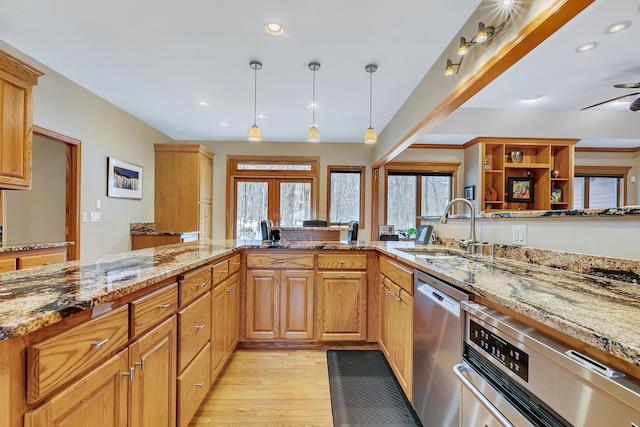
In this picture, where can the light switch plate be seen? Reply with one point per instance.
(519, 235)
(95, 217)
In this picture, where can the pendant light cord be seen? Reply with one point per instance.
(255, 95)
(313, 110)
(370, 95)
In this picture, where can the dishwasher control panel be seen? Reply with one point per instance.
(511, 357)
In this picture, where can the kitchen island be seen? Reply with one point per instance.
(598, 314)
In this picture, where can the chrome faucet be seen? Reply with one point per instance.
(472, 231)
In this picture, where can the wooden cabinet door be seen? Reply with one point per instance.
(233, 317)
(342, 305)
(402, 347)
(262, 299)
(15, 139)
(98, 400)
(385, 315)
(204, 220)
(153, 387)
(296, 304)
(206, 179)
(219, 320)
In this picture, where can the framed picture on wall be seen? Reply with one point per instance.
(470, 192)
(520, 189)
(124, 180)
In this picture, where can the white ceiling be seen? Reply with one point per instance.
(155, 59)
(556, 77)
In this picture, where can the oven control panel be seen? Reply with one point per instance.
(511, 357)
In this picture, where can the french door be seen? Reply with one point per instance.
(284, 201)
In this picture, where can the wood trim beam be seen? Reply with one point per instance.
(533, 34)
(437, 146)
(606, 150)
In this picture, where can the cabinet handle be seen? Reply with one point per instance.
(199, 384)
(98, 344)
(229, 290)
(200, 327)
(140, 363)
(129, 374)
(280, 261)
(200, 285)
(164, 306)
(341, 262)
(342, 276)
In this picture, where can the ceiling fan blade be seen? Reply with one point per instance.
(610, 100)
(635, 105)
(627, 85)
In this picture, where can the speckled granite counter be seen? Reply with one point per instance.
(594, 212)
(150, 229)
(601, 312)
(16, 247)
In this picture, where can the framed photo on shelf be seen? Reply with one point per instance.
(385, 229)
(470, 192)
(424, 234)
(556, 195)
(124, 180)
(519, 189)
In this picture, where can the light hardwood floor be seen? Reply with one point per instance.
(270, 388)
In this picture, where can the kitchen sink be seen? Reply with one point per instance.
(430, 253)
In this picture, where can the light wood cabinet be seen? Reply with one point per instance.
(152, 361)
(193, 385)
(342, 297)
(18, 260)
(183, 188)
(16, 110)
(99, 399)
(396, 320)
(280, 303)
(547, 162)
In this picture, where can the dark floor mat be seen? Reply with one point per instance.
(365, 392)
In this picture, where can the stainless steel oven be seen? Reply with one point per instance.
(513, 375)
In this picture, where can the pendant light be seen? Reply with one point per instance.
(314, 134)
(254, 131)
(370, 136)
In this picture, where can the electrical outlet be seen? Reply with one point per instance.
(95, 217)
(519, 235)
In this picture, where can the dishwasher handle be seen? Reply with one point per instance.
(460, 370)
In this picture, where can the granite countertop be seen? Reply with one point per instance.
(592, 212)
(150, 229)
(15, 247)
(600, 311)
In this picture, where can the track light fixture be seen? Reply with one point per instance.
(314, 133)
(370, 136)
(254, 131)
(483, 36)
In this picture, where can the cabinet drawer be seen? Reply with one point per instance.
(149, 310)
(290, 260)
(54, 361)
(7, 264)
(400, 274)
(234, 264)
(194, 324)
(193, 386)
(342, 261)
(35, 260)
(194, 284)
(220, 271)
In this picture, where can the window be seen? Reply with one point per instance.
(346, 194)
(417, 190)
(283, 190)
(599, 187)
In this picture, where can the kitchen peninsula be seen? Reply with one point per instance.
(40, 305)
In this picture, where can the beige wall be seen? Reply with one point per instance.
(105, 130)
(614, 159)
(330, 154)
(38, 215)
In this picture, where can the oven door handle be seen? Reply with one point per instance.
(460, 370)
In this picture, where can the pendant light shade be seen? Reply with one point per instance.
(314, 134)
(254, 131)
(370, 136)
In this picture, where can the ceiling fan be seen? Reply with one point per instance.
(635, 105)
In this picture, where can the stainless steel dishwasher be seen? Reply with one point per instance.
(437, 346)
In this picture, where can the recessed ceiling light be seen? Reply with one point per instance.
(261, 116)
(313, 106)
(274, 29)
(202, 104)
(223, 124)
(618, 26)
(586, 47)
(507, 3)
(532, 98)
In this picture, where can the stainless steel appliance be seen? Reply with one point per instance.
(436, 347)
(513, 375)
